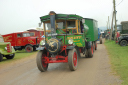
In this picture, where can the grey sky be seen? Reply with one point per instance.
(20, 15)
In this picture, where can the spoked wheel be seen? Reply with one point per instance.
(90, 52)
(1, 57)
(41, 61)
(10, 56)
(29, 48)
(73, 59)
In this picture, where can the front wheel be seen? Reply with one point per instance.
(90, 52)
(41, 61)
(123, 43)
(10, 56)
(1, 57)
(28, 48)
(73, 59)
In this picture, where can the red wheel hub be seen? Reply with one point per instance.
(28, 49)
(75, 59)
(44, 60)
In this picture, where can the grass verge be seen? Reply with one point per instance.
(18, 55)
(119, 59)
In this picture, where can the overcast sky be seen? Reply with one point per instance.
(20, 15)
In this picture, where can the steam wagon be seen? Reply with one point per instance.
(66, 36)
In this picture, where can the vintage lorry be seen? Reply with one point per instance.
(22, 40)
(123, 39)
(6, 50)
(66, 36)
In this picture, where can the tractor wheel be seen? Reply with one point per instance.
(95, 45)
(41, 61)
(73, 59)
(28, 48)
(1, 57)
(90, 52)
(10, 56)
(123, 43)
(100, 40)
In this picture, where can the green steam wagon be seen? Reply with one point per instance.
(66, 36)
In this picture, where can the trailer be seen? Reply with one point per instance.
(66, 36)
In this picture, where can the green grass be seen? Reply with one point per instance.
(18, 55)
(119, 59)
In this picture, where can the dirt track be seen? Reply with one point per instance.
(91, 71)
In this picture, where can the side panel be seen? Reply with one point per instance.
(92, 34)
(10, 38)
(95, 27)
(78, 40)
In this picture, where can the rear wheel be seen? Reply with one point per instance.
(90, 52)
(1, 57)
(73, 59)
(41, 61)
(10, 56)
(28, 48)
(123, 43)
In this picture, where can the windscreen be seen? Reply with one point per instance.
(26, 35)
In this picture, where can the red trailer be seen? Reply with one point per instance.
(22, 40)
(36, 33)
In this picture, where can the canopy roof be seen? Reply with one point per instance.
(61, 16)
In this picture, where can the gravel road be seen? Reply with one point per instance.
(91, 71)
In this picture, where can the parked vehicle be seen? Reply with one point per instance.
(107, 34)
(66, 36)
(22, 40)
(36, 33)
(123, 39)
(6, 50)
